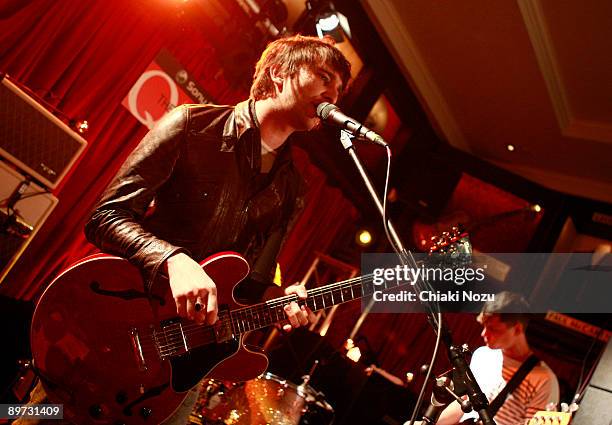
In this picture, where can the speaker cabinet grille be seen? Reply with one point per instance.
(33, 139)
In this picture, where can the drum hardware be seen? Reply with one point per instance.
(268, 399)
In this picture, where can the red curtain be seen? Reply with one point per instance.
(82, 58)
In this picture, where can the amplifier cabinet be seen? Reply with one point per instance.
(35, 140)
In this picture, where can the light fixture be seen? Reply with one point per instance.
(333, 23)
(80, 126)
(352, 351)
(536, 207)
(510, 148)
(329, 24)
(364, 237)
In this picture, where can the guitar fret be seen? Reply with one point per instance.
(327, 299)
(346, 295)
(310, 303)
(249, 319)
(337, 296)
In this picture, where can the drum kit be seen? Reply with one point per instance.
(268, 399)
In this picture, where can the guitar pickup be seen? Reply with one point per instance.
(170, 340)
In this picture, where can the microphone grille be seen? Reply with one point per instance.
(324, 109)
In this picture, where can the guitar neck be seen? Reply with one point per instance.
(267, 313)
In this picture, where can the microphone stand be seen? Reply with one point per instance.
(456, 354)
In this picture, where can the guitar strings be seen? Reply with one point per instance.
(249, 313)
(235, 317)
(245, 316)
(262, 307)
(191, 331)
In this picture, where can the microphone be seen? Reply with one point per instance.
(330, 113)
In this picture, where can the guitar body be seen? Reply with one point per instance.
(113, 355)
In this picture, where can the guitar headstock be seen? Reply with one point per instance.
(550, 418)
(452, 248)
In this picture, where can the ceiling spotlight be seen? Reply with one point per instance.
(334, 24)
(537, 208)
(329, 24)
(364, 237)
(510, 148)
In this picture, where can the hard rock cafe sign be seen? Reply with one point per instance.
(164, 85)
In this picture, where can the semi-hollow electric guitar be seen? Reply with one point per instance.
(112, 354)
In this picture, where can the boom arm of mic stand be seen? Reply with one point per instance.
(347, 142)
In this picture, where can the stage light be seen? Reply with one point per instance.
(352, 351)
(364, 237)
(328, 23)
(537, 208)
(333, 24)
(354, 354)
(80, 126)
(510, 148)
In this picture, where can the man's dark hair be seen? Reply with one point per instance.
(511, 308)
(291, 53)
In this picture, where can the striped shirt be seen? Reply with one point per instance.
(493, 370)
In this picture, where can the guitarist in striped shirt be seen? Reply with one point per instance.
(506, 348)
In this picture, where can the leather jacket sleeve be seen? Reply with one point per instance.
(115, 225)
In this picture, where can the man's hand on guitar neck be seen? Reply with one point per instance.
(194, 292)
(297, 316)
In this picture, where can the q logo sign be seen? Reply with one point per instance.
(153, 95)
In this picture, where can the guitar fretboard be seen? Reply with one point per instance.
(267, 313)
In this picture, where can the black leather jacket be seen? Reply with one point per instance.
(193, 184)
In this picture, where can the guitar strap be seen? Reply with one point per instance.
(514, 382)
